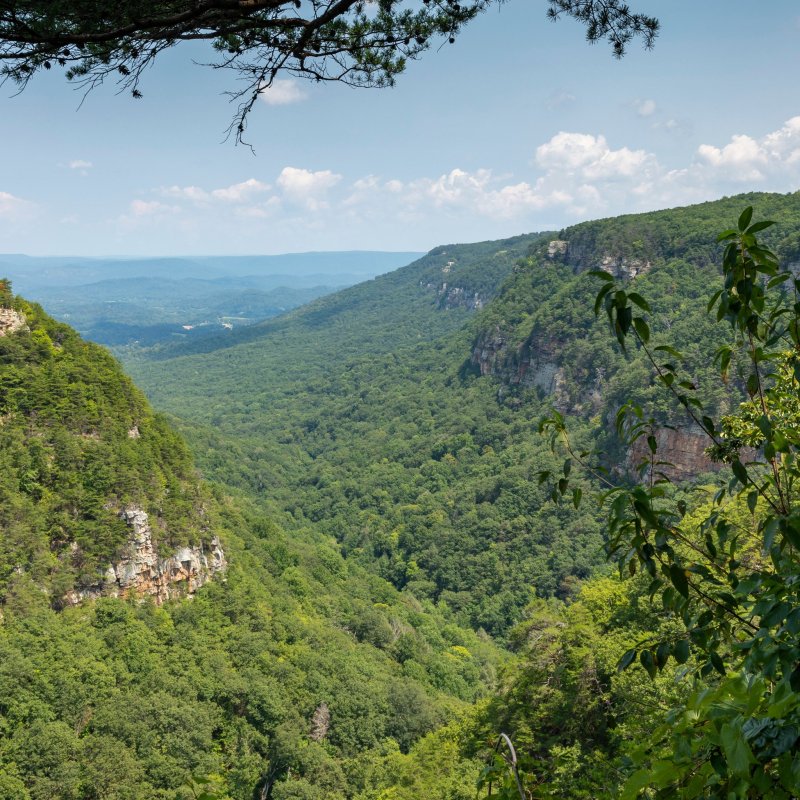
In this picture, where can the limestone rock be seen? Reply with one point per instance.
(141, 572)
(11, 321)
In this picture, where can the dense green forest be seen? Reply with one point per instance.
(413, 567)
(119, 699)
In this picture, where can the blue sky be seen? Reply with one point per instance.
(519, 126)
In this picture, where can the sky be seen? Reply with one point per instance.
(519, 126)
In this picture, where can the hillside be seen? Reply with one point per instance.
(375, 468)
(405, 428)
(291, 662)
(86, 466)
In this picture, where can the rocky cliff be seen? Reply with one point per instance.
(11, 321)
(580, 258)
(142, 572)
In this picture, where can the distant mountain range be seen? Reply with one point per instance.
(145, 301)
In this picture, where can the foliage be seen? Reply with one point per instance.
(732, 582)
(385, 501)
(78, 442)
(127, 700)
(358, 415)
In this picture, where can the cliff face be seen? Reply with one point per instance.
(142, 573)
(533, 364)
(683, 449)
(11, 321)
(580, 258)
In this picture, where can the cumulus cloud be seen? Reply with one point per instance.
(573, 175)
(241, 192)
(591, 157)
(283, 92)
(581, 174)
(79, 163)
(235, 193)
(306, 187)
(773, 159)
(741, 160)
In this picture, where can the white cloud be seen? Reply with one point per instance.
(12, 207)
(307, 187)
(235, 193)
(193, 193)
(79, 163)
(572, 176)
(283, 92)
(741, 160)
(570, 151)
(240, 192)
(591, 157)
(645, 108)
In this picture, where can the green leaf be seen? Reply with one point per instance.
(738, 755)
(663, 652)
(677, 576)
(642, 329)
(716, 662)
(760, 226)
(634, 785)
(638, 300)
(648, 662)
(744, 218)
(602, 274)
(740, 472)
(681, 651)
(600, 296)
(626, 660)
(576, 497)
(665, 348)
(713, 300)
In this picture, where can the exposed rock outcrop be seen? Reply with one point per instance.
(459, 297)
(141, 572)
(11, 321)
(684, 451)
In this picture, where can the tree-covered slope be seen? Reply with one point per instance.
(282, 678)
(671, 257)
(78, 445)
(358, 414)
(368, 416)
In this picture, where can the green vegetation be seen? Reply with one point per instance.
(78, 442)
(116, 699)
(392, 516)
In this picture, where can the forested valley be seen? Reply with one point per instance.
(336, 554)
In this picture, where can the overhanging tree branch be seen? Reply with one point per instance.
(358, 42)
